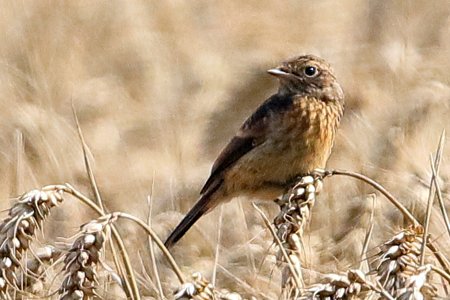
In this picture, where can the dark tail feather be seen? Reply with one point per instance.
(200, 208)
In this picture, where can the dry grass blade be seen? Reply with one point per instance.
(430, 201)
(86, 161)
(130, 283)
(17, 231)
(442, 259)
(158, 242)
(216, 257)
(435, 171)
(81, 261)
(441, 202)
(441, 272)
(17, 175)
(368, 235)
(145, 280)
(431, 192)
(249, 252)
(294, 272)
(151, 248)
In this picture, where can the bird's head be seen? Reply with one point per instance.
(308, 74)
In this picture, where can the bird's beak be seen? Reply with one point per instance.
(279, 73)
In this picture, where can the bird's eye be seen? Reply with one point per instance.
(310, 71)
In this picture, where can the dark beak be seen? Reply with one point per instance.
(280, 73)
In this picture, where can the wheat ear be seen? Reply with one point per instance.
(398, 264)
(18, 230)
(80, 263)
(295, 213)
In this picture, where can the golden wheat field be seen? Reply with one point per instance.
(159, 87)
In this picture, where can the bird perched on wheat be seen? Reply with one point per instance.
(289, 135)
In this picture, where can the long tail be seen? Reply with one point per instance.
(203, 205)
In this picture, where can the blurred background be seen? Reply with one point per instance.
(160, 86)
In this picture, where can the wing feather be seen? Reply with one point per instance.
(251, 134)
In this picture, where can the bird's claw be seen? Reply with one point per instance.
(320, 173)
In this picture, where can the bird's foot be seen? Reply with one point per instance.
(320, 173)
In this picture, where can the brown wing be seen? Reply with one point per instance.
(251, 134)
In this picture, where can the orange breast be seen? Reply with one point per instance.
(298, 141)
(310, 129)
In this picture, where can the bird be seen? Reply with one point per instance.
(289, 135)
